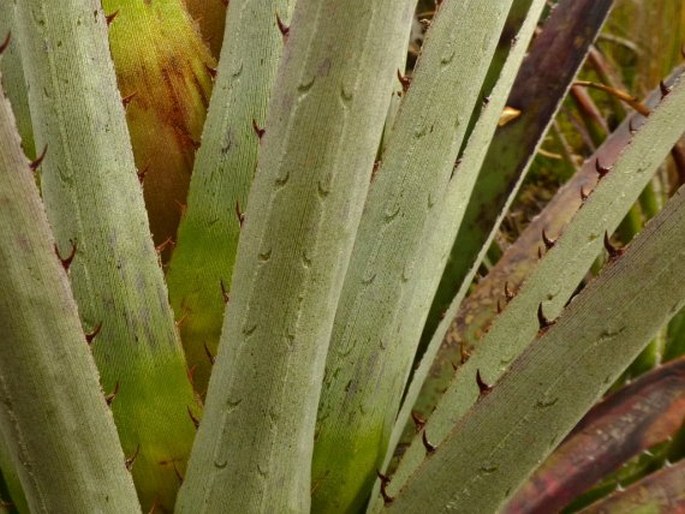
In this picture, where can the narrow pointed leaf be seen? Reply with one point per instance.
(639, 416)
(479, 310)
(163, 71)
(322, 131)
(95, 206)
(566, 369)
(557, 274)
(540, 85)
(53, 418)
(201, 267)
(370, 357)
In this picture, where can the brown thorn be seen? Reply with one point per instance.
(155, 504)
(539, 253)
(665, 90)
(193, 418)
(90, 336)
(463, 353)
(387, 499)
(239, 213)
(257, 130)
(111, 396)
(631, 129)
(419, 422)
(405, 81)
(109, 18)
(66, 262)
(614, 253)
(507, 292)
(129, 462)
(282, 27)
(482, 386)
(211, 70)
(165, 244)
(224, 292)
(499, 304)
(180, 321)
(583, 195)
(35, 164)
(549, 243)
(209, 355)
(383, 478)
(454, 366)
(178, 473)
(5, 43)
(190, 373)
(601, 170)
(142, 173)
(430, 448)
(128, 99)
(543, 322)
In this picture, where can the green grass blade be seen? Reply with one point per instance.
(95, 206)
(515, 425)
(224, 167)
(323, 128)
(53, 417)
(559, 271)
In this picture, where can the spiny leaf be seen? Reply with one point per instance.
(163, 71)
(224, 168)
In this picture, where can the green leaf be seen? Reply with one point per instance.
(641, 415)
(370, 353)
(202, 263)
(54, 421)
(558, 273)
(520, 420)
(13, 77)
(322, 131)
(95, 206)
